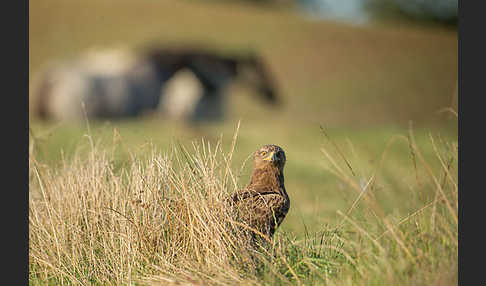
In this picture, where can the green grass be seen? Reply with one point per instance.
(393, 222)
(372, 89)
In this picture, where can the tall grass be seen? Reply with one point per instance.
(162, 219)
(390, 248)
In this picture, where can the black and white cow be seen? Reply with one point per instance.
(118, 84)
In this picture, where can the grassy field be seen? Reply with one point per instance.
(371, 170)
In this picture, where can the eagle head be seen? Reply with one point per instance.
(270, 155)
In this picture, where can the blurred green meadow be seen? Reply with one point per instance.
(359, 91)
(363, 84)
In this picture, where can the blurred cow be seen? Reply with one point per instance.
(117, 84)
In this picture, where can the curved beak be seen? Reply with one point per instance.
(272, 156)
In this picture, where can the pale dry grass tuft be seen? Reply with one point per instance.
(91, 222)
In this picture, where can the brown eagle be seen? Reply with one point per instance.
(264, 202)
